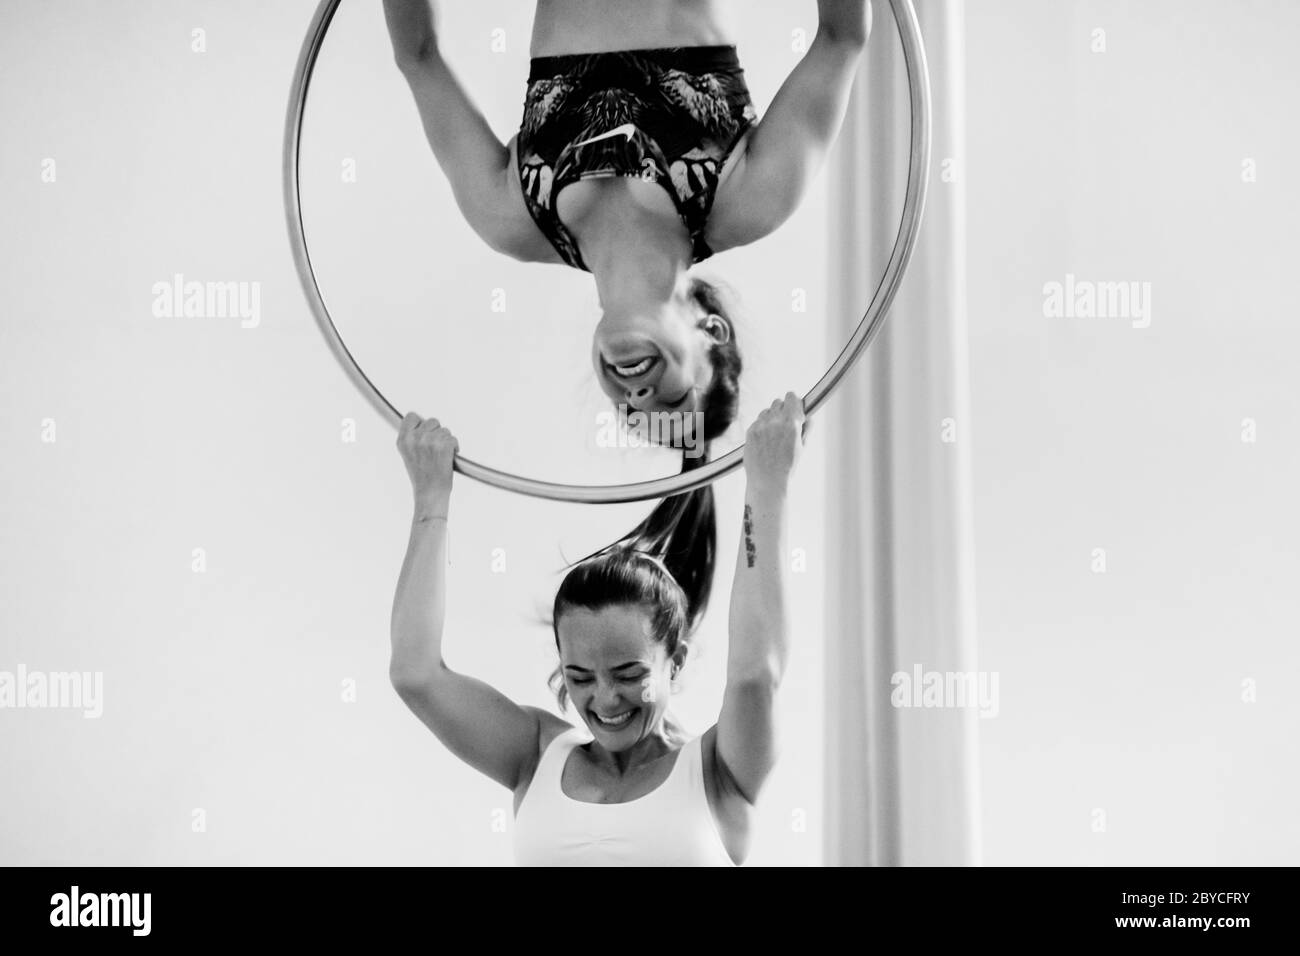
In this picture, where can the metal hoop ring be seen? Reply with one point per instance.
(913, 205)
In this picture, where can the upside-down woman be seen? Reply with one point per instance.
(639, 155)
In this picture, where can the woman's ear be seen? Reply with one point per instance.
(679, 658)
(716, 328)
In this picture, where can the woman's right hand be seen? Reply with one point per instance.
(773, 443)
(428, 448)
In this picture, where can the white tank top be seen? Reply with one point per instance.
(671, 825)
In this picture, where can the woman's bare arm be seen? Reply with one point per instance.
(788, 147)
(476, 722)
(474, 160)
(759, 626)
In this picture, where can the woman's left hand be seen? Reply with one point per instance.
(773, 443)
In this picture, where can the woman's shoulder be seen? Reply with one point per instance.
(550, 726)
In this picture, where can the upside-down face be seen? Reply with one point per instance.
(658, 362)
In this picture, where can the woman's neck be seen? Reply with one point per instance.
(638, 265)
(656, 744)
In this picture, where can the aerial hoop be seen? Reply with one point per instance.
(918, 176)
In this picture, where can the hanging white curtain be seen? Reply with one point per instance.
(901, 782)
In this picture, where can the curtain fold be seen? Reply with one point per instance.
(902, 782)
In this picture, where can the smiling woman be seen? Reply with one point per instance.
(643, 148)
(663, 373)
(620, 624)
(658, 163)
(622, 620)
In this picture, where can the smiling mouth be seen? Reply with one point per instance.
(634, 369)
(616, 722)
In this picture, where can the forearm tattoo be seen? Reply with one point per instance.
(751, 552)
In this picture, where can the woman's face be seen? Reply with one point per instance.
(658, 362)
(618, 677)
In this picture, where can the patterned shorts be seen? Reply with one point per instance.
(671, 116)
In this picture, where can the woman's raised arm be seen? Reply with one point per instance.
(789, 146)
(474, 160)
(477, 723)
(759, 623)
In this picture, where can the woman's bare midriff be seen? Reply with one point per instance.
(563, 27)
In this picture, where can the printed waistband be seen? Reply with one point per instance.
(688, 59)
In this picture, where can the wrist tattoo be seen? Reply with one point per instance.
(751, 552)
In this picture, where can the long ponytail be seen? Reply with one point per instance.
(682, 532)
(680, 535)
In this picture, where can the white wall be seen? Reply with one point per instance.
(222, 690)
(1123, 691)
